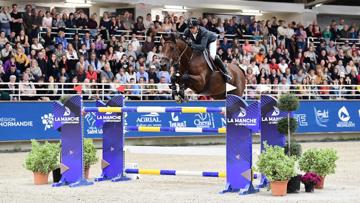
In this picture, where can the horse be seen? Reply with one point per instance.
(193, 71)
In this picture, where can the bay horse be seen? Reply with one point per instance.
(193, 71)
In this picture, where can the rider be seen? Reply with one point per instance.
(201, 39)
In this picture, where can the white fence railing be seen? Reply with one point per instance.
(70, 32)
(92, 91)
(339, 41)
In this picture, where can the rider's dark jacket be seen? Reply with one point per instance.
(202, 40)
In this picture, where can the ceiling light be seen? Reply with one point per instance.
(318, 5)
(251, 14)
(250, 11)
(180, 9)
(173, 7)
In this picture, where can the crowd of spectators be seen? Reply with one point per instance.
(276, 55)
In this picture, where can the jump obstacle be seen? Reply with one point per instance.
(242, 120)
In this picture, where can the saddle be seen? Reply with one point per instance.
(209, 60)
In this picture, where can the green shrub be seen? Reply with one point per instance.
(295, 149)
(275, 164)
(288, 102)
(320, 161)
(42, 158)
(90, 157)
(282, 125)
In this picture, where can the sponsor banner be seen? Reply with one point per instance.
(174, 119)
(328, 116)
(35, 120)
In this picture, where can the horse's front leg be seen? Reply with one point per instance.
(182, 88)
(174, 91)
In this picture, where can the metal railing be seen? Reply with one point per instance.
(70, 32)
(304, 92)
(92, 91)
(339, 41)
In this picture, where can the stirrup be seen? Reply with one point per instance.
(227, 77)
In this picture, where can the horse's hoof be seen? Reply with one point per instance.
(178, 99)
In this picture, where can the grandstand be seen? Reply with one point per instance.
(105, 80)
(46, 51)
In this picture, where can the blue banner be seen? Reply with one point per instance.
(34, 120)
(328, 116)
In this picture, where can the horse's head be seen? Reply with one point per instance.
(173, 49)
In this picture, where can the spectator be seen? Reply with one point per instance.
(152, 74)
(148, 22)
(164, 89)
(52, 67)
(58, 22)
(70, 22)
(5, 20)
(107, 73)
(283, 66)
(36, 45)
(9, 63)
(82, 21)
(11, 71)
(49, 43)
(181, 25)
(95, 63)
(47, 20)
(27, 88)
(87, 40)
(17, 20)
(135, 90)
(21, 59)
(139, 26)
(80, 73)
(3, 39)
(61, 39)
(52, 89)
(83, 63)
(121, 76)
(148, 45)
(142, 74)
(35, 70)
(225, 44)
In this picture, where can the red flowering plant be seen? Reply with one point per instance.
(310, 178)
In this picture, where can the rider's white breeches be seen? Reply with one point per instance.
(212, 49)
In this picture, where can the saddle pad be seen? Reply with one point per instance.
(208, 60)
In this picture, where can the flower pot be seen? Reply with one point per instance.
(309, 187)
(40, 178)
(278, 188)
(294, 184)
(87, 172)
(56, 175)
(320, 184)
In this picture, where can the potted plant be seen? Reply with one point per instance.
(294, 182)
(90, 157)
(319, 161)
(288, 103)
(277, 167)
(287, 126)
(41, 160)
(310, 179)
(295, 148)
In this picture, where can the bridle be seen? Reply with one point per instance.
(182, 53)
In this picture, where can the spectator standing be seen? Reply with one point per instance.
(47, 20)
(17, 20)
(5, 20)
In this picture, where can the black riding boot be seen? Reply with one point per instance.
(223, 68)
